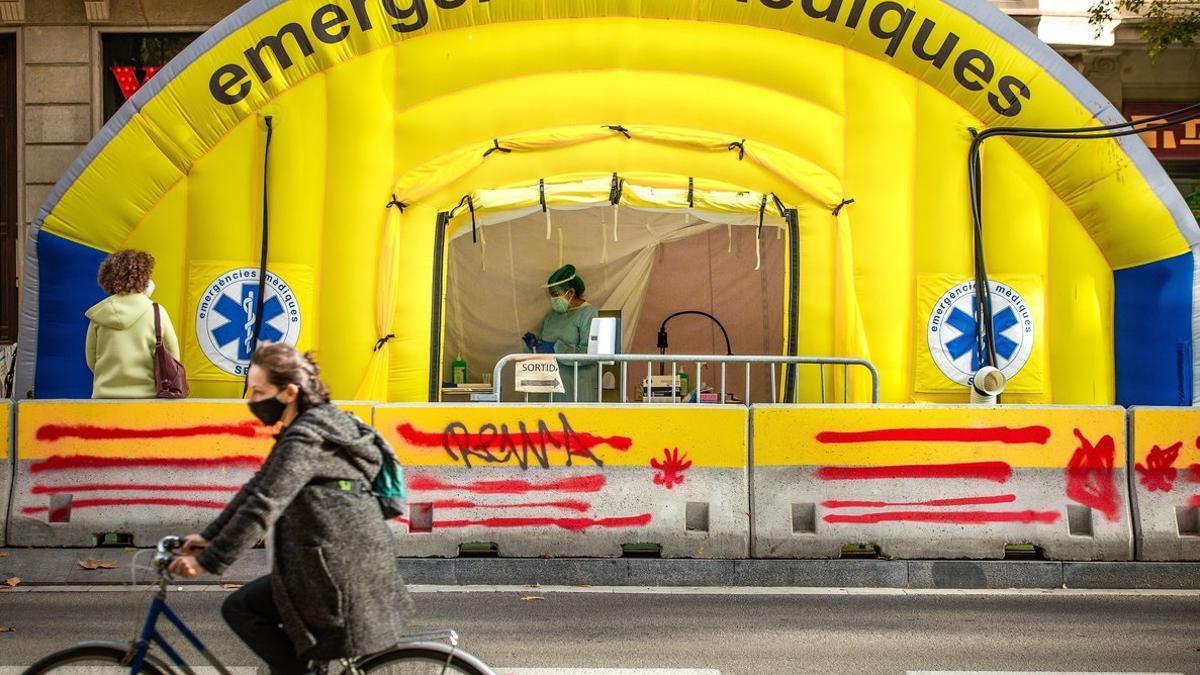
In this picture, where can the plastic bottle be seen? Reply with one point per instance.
(683, 385)
(458, 371)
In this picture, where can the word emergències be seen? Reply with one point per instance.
(890, 21)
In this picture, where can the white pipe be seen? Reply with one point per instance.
(989, 383)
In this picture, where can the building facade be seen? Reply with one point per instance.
(68, 65)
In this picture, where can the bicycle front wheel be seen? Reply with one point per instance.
(89, 660)
(424, 660)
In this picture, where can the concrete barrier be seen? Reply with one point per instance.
(572, 480)
(138, 470)
(1164, 448)
(6, 467)
(940, 481)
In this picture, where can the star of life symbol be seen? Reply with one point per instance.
(226, 314)
(954, 336)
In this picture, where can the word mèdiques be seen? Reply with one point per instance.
(891, 22)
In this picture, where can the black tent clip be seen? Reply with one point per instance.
(619, 129)
(838, 209)
(397, 203)
(691, 192)
(383, 341)
(741, 148)
(762, 214)
(496, 148)
(471, 206)
(779, 205)
(618, 185)
(542, 194)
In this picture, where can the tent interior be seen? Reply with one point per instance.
(644, 263)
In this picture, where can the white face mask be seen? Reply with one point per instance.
(150, 288)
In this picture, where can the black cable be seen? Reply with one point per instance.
(262, 260)
(983, 311)
(662, 330)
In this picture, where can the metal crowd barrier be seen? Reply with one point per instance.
(790, 365)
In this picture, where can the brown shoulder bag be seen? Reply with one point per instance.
(170, 379)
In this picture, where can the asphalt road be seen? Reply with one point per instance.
(746, 632)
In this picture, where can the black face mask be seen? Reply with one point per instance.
(268, 411)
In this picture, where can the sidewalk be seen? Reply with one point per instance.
(44, 566)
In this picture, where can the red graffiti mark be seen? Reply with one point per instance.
(670, 471)
(129, 487)
(73, 462)
(568, 504)
(1090, 479)
(1194, 500)
(95, 503)
(572, 524)
(949, 517)
(993, 471)
(88, 432)
(1193, 473)
(1007, 435)
(1158, 474)
(590, 483)
(579, 441)
(956, 501)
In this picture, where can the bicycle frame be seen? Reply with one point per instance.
(150, 635)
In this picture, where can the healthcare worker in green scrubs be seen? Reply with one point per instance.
(565, 330)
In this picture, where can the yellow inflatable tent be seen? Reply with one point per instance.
(354, 144)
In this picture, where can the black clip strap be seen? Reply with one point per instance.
(618, 185)
(741, 148)
(762, 215)
(496, 148)
(619, 129)
(838, 209)
(383, 341)
(542, 194)
(397, 203)
(471, 206)
(779, 205)
(691, 192)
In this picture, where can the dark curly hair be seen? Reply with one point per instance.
(125, 272)
(285, 365)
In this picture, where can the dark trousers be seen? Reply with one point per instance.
(251, 612)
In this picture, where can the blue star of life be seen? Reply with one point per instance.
(240, 317)
(968, 340)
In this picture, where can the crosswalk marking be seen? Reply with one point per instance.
(1024, 672)
(606, 671)
(117, 670)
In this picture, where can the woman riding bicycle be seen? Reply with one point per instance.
(333, 587)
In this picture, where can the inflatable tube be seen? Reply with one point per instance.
(384, 114)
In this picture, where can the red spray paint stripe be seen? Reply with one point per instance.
(569, 504)
(578, 440)
(1194, 500)
(88, 432)
(94, 503)
(75, 462)
(993, 471)
(590, 483)
(952, 517)
(1009, 435)
(130, 487)
(957, 501)
(1194, 473)
(572, 524)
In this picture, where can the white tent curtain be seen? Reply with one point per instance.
(495, 284)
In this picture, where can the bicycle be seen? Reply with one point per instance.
(433, 652)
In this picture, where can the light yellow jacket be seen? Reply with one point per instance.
(120, 346)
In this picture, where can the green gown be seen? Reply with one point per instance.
(569, 332)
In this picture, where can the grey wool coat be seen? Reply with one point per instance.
(334, 574)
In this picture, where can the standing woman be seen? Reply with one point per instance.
(333, 592)
(120, 337)
(566, 329)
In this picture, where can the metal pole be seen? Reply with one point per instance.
(624, 382)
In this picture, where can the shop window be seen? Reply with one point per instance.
(131, 59)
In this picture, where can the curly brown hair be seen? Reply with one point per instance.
(125, 272)
(285, 365)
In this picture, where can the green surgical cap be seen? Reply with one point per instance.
(565, 277)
